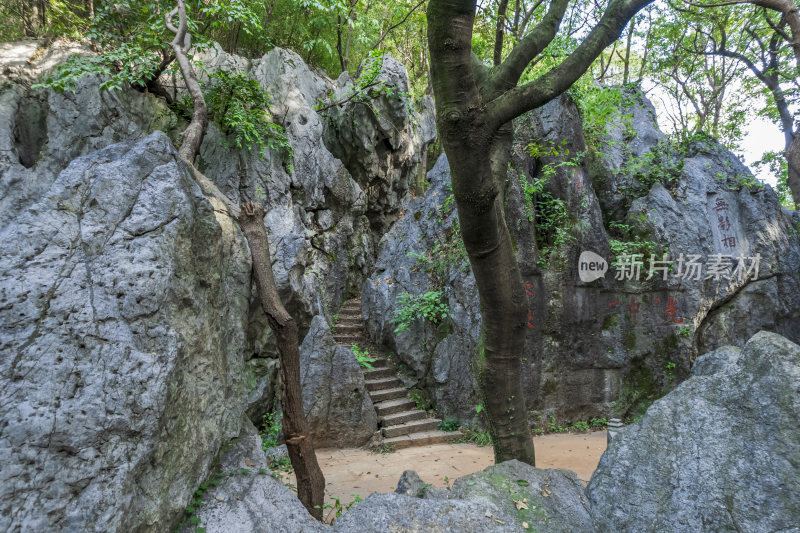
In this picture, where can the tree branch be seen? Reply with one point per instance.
(557, 80)
(509, 71)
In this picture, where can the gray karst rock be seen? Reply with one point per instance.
(719, 453)
(42, 131)
(609, 346)
(335, 399)
(123, 303)
(326, 217)
(499, 498)
(131, 340)
(242, 496)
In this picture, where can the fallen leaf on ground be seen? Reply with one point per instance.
(520, 504)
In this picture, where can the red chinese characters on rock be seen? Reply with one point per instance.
(671, 309)
(529, 293)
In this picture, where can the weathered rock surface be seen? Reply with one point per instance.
(42, 131)
(499, 498)
(335, 399)
(609, 346)
(326, 216)
(131, 338)
(242, 496)
(123, 305)
(719, 453)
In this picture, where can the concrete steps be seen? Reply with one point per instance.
(402, 424)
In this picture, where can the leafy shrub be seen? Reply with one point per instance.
(240, 106)
(427, 306)
(270, 429)
(449, 424)
(363, 357)
(420, 400)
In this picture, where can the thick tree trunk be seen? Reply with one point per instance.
(310, 481)
(793, 164)
(461, 123)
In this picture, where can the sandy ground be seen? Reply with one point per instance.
(356, 471)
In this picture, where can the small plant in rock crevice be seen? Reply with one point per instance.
(270, 429)
(363, 357)
(449, 424)
(420, 399)
(430, 306)
(336, 508)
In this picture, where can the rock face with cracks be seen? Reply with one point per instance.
(610, 346)
(122, 339)
(335, 399)
(719, 453)
(131, 341)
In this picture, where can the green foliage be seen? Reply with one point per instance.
(663, 163)
(384, 449)
(631, 242)
(368, 87)
(190, 512)
(553, 221)
(430, 306)
(240, 106)
(363, 357)
(281, 464)
(476, 436)
(685, 331)
(336, 507)
(600, 108)
(270, 429)
(334, 321)
(776, 163)
(449, 424)
(420, 399)
(134, 41)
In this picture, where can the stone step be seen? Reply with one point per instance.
(388, 394)
(350, 339)
(402, 417)
(389, 407)
(414, 426)
(378, 373)
(380, 362)
(383, 383)
(347, 329)
(422, 438)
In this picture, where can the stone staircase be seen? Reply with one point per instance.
(402, 424)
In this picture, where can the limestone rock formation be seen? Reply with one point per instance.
(326, 216)
(719, 453)
(242, 495)
(123, 305)
(131, 341)
(608, 346)
(335, 399)
(499, 498)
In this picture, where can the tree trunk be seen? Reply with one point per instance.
(194, 133)
(310, 481)
(461, 123)
(793, 164)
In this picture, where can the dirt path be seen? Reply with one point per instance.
(357, 471)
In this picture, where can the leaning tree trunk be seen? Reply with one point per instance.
(194, 133)
(793, 164)
(310, 481)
